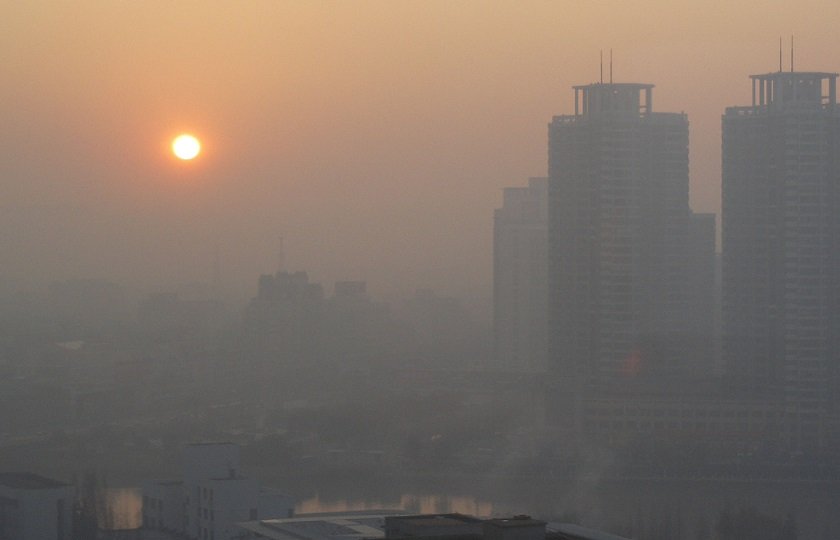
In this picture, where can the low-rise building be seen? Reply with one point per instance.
(34, 508)
(212, 496)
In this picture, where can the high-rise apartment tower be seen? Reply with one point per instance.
(622, 241)
(781, 245)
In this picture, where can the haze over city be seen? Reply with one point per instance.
(375, 137)
(304, 270)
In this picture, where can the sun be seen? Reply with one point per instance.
(186, 147)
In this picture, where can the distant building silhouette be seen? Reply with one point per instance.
(284, 301)
(781, 247)
(444, 332)
(88, 303)
(290, 325)
(351, 292)
(168, 311)
(520, 274)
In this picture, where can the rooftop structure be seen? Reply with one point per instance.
(796, 88)
(26, 480)
(432, 525)
(615, 98)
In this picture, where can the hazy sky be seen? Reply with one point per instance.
(374, 136)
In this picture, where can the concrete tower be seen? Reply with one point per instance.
(781, 246)
(620, 238)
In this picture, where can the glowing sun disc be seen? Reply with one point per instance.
(186, 147)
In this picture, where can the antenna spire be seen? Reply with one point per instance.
(602, 66)
(611, 66)
(780, 54)
(791, 53)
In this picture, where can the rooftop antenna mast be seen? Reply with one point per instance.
(791, 53)
(602, 66)
(780, 54)
(611, 66)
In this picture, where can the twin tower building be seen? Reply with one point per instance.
(606, 280)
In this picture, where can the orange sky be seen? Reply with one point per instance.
(374, 136)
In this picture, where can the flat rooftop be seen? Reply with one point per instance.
(795, 75)
(570, 531)
(439, 520)
(324, 526)
(211, 443)
(370, 525)
(516, 521)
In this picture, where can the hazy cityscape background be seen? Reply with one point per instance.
(385, 281)
(375, 138)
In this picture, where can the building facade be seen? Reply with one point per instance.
(211, 497)
(781, 247)
(621, 240)
(520, 278)
(35, 508)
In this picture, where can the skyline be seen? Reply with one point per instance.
(374, 138)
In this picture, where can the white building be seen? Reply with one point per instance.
(34, 508)
(212, 496)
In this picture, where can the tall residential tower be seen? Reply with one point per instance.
(781, 246)
(622, 241)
